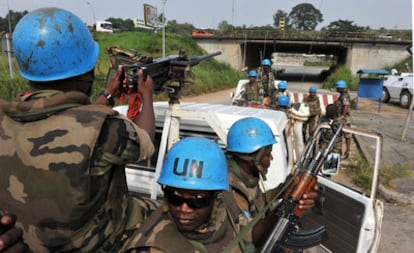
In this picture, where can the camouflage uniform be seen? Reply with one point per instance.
(344, 100)
(62, 170)
(268, 80)
(314, 116)
(245, 189)
(159, 234)
(327, 133)
(253, 94)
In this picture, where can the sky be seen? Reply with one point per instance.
(203, 14)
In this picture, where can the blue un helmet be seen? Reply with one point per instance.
(312, 89)
(252, 73)
(195, 163)
(266, 62)
(248, 135)
(53, 44)
(283, 101)
(282, 85)
(341, 84)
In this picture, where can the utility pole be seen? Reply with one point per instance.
(93, 13)
(8, 42)
(163, 27)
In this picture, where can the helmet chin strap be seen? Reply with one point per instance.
(262, 171)
(255, 159)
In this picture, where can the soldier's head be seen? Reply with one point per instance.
(282, 86)
(52, 45)
(312, 91)
(267, 65)
(193, 173)
(252, 76)
(283, 101)
(332, 111)
(340, 85)
(251, 140)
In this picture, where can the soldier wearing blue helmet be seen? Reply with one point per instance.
(193, 217)
(283, 104)
(314, 103)
(343, 104)
(249, 148)
(267, 77)
(253, 91)
(67, 154)
(277, 92)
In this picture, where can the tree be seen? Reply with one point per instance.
(344, 26)
(278, 16)
(224, 26)
(174, 27)
(305, 17)
(14, 18)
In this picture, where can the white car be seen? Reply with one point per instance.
(352, 218)
(398, 87)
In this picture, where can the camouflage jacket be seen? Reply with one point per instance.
(158, 233)
(62, 170)
(253, 94)
(268, 80)
(247, 194)
(314, 104)
(343, 100)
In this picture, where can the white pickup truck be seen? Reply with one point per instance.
(398, 87)
(352, 218)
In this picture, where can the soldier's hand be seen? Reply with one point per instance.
(115, 85)
(308, 199)
(145, 83)
(11, 237)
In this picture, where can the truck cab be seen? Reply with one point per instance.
(352, 218)
(103, 26)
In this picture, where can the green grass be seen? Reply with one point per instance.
(210, 75)
(361, 173)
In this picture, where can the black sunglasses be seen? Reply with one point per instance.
(194, 203)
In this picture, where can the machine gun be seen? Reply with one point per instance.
(166, 72)
(284, 234)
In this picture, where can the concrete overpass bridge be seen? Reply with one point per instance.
(352, 51)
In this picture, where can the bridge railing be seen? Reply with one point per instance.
(315, 35)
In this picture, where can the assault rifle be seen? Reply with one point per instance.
(284, 234)
(165, 72)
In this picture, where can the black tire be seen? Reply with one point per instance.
(405, 99)
(385, 97)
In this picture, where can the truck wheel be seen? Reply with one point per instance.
(385, 97)
(405, 99)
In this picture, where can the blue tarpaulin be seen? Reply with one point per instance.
(371, 87)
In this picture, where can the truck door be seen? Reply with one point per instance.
(352, 217)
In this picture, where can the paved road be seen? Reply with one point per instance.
(398, 222)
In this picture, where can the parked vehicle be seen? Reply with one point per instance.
(201, 33)
(103, 26)
(398, 87)
(353, 218)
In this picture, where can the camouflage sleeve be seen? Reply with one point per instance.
(121, 142)
(346, 100)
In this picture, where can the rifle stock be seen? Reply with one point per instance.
(284, 233)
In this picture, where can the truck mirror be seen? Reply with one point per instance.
(331, 164)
